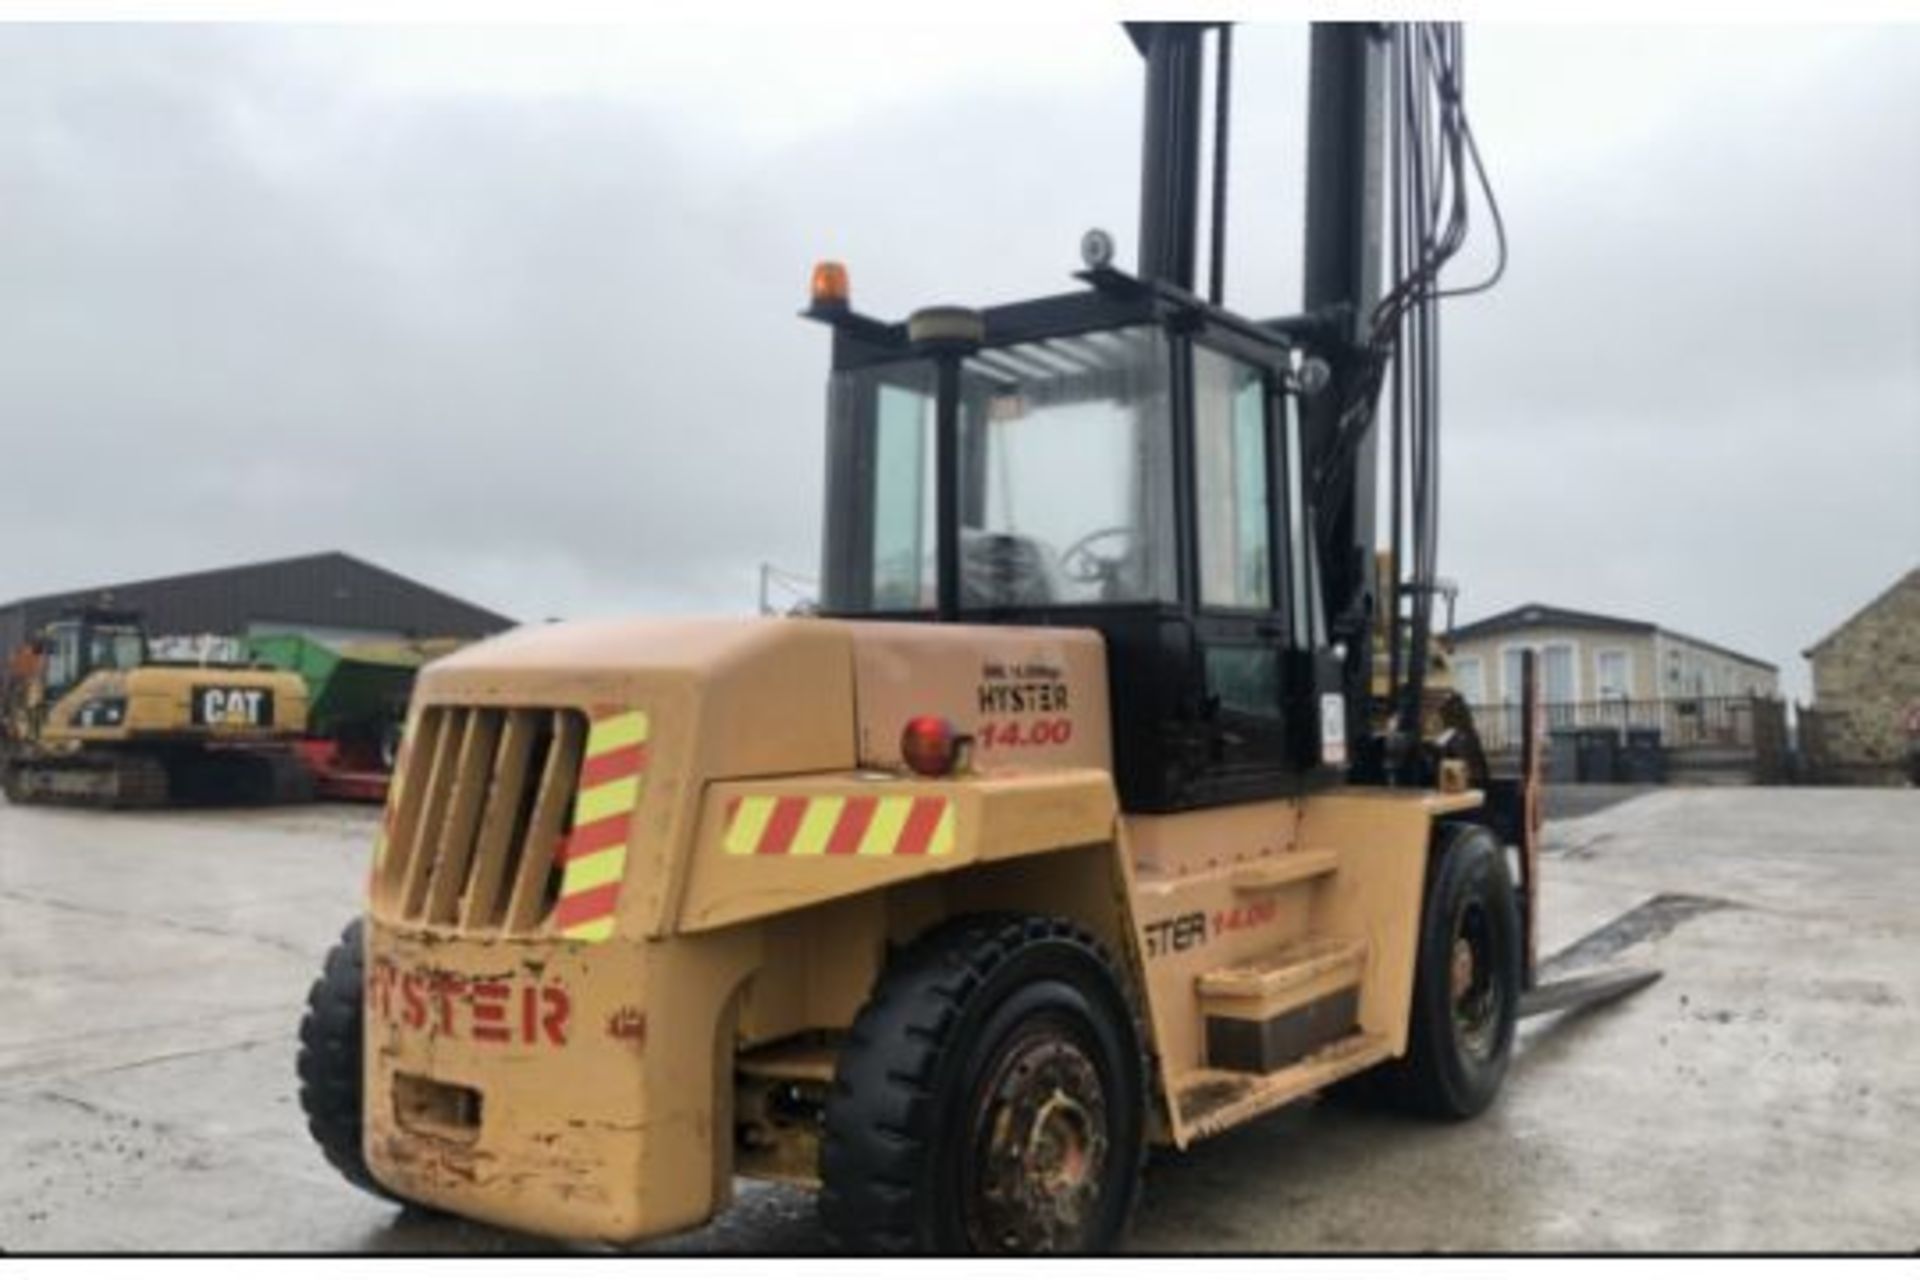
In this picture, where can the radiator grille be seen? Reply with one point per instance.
(483, 807)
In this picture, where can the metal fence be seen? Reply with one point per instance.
(1743, 722)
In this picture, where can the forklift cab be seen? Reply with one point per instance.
(1126, 459)
(89, 640)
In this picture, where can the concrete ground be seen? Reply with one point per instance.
(1763, 1096)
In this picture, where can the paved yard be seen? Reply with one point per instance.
(1764, 1095)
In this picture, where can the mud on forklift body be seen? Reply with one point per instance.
(1056, 836)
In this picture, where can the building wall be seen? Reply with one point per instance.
(321, 634)
(1689, 669)
(1866, 681)
(1587, 644)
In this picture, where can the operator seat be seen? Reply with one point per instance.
(1004, 569)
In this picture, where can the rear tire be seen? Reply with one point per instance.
(991, 1097)
(332, 1037)
(1466, 993)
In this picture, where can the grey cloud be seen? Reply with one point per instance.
(543, 350)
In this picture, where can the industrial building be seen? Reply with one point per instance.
(329, 596)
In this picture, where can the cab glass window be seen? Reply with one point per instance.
(63, 657)
(114, 649)
(1066, 476)
(903, 505)
(1245, 678)
(1231, 474)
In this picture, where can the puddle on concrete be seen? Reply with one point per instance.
(1655, 918)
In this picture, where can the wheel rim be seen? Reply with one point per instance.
(1038, 1155)
(1475, 995)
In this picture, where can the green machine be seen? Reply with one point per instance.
(357, 698)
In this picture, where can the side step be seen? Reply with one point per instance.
(1211, 1101)
(1295, 968)
(1285, 869)
(1282, 1006)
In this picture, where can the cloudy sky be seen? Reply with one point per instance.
(512, 309)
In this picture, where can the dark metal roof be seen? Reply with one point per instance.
(1547, 615)
(330, 589)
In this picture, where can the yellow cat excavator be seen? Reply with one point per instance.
(89, 717)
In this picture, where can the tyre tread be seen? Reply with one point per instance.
(329, 1060)
(878, 1127)
(1419, 1083)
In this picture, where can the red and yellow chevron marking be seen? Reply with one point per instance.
(845, 826)
(593, 860)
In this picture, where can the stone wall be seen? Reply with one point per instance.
(1866, 684)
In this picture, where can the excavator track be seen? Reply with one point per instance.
(243, 777)
(96, 780)
(135, 780)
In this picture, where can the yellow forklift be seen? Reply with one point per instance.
(1072, 824)
(89, 717)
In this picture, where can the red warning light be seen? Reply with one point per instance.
(931, 746)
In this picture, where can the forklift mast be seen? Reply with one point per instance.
(1170, 155)
(1346, 139)
(1372, 143)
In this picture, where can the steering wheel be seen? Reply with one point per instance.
(1080, 562)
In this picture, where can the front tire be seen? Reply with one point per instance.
(1466, 994)
(990, 1098)
(332, 1035)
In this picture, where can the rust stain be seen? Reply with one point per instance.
(1212, 1095)
(629, 1024)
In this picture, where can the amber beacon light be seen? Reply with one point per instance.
(829, 285)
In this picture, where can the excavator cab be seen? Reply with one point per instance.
(89, 640)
